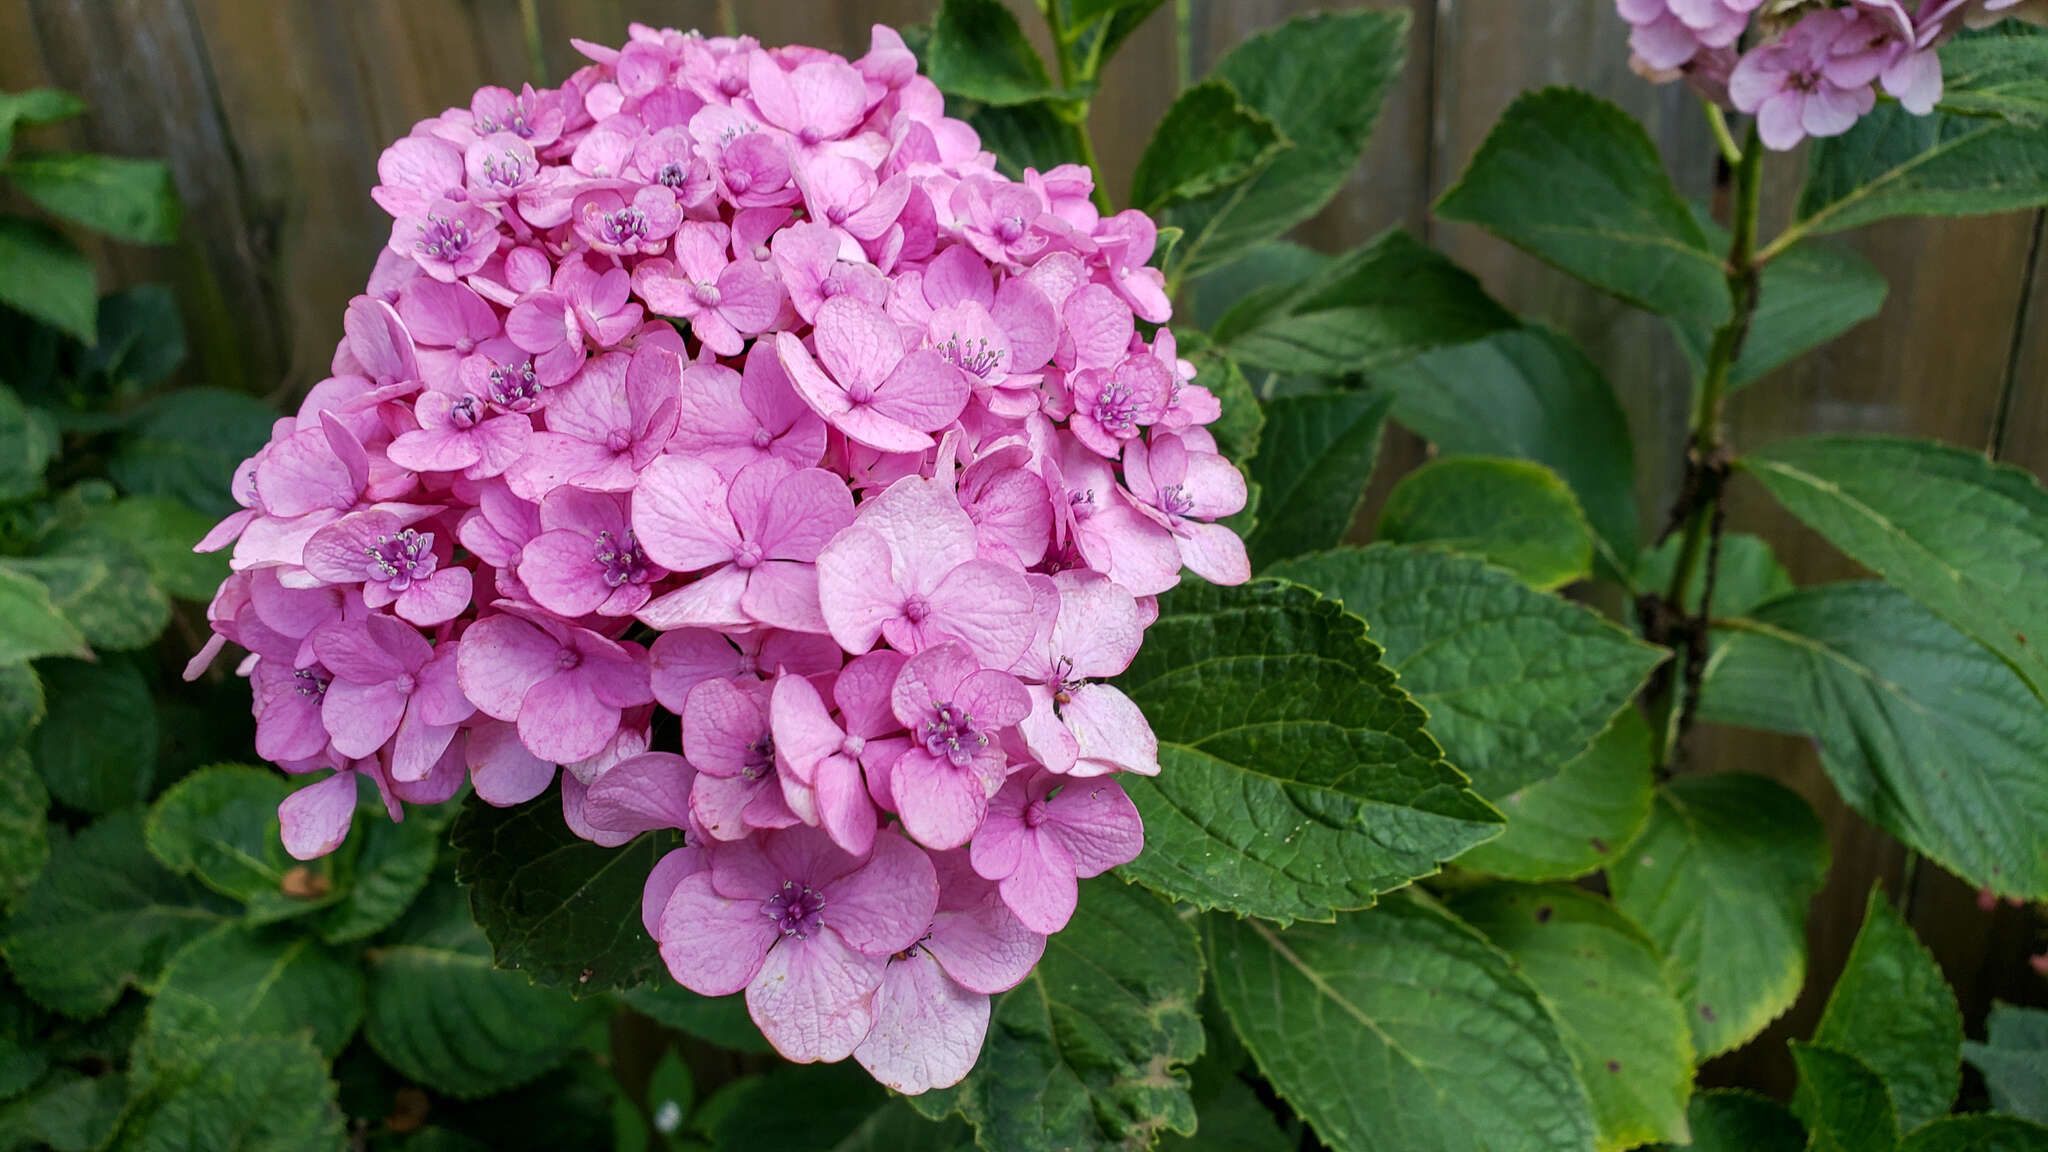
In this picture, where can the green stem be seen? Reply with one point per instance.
(1075, 112)
(1671, 703)
(536, 47)
(1183, 44)
(1723, 139)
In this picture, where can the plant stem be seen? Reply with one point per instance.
(1723, 139)
(1075, 111)
(1183, 44)
(1699, 508)
(536, 47)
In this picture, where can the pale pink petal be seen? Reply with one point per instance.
(648, 791)
(315, 819)
(502, 658)
(814, 997)
(941, 805)
(886, 904)
(562, 720)
(680, 515)
(1042, 891)
(504, 772)
(661, 884)
(713, 945)
(927, 1029)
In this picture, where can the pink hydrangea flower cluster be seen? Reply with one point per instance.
(735, 386)
(1822, 72)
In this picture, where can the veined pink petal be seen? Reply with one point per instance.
(814, 997)
(927, 1029)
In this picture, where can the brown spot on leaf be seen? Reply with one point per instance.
(1598, 844)
(302, 883)
(1707, 1012)
(408, 1110)
(1614, 1065)
(1543, 914)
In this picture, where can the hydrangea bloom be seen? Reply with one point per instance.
(1822, 71)
(736, 385)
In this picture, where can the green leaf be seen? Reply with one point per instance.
(1238, 429)
(131, 200)
(842, 1110)
(35, 106)
(978, 50)
(142, 339)
(101, 585)
(1978, 1134)
(1376, 305)
(1747, 574)
(1085, 1055)
(1349, 1023)
(46, 277)
(1320, 79)
(1316, 453)
(162, 533)
(1575, 181)
(1230, 1117)
(100, 918)
(237, 981)
(97, 747)
(1296, 778)
(1574, 823)
(1893, 163)
(723, 1020)
(68, 1112)
(1734, 1120)
(27, 444)
(1892, 1008)
(24, 838)
(380, 879)
(21, 705)
(1265, 265)
(1926, 734)
(219, 826)
(2001, 72)
(1208, 141)
(2014, 1060)
(1604, 982)
(1515, 682)
(1096, 28)
(442, 1015)
(186, 445)
(1032, 135)
(30, 624)
(1511, 513)
(1721, 880)
(562, 909)
(1533, 394)
(253, 1093)
(1810, 294)
(1962, 535)
(1843, 1102)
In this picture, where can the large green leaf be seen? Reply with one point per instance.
(562, 909)
(68, 1112)
(131, 200)
(843, 1110)
(97, 746)
(723, 1020)
(1573, 823)
(24, 837)
(237, 1094)
(1238, 429)
(31, 626)
(1513, 513)
(1926, 734)
(1530, 393)
(442, 1015)
(1378, 304)
(1320, 79)
(34, 106)
(1352, 1024)
(101, 585)
(1267, 265)
(1978, 1134)
(1296, 778)
(978, 50)
(1604, 981)
(2014, 1060)
(381, 868)
(1033, 135)
(1085, 1055)
(1746, 574)
(1733, 1120)
(142, 340)
(237, 981)
(27, 442)
(1809, 294)
(1316, 453)
(1964, 536)
(1720, 880)
(1574, 179)
(1892, 1008)
(1516, 682)
(162, 533)
(22, 706)
(2002, 73)
(46, 277)
(1230, 1117)
(101, 917)
(1208, 141)
(1843, 1102)
(186, 445)
(219, 825)
(1893, 163)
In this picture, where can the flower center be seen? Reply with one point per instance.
(747, 555)
(515, 387)
(759, 758)
(506, 170)
(1175, 501)
(618, 440)
(443, 238)
(1035, 814)
(623, 227)
(917, 609)
(798, 910)
(311, 684)
(672, 175)
(706, 293)
(568, 659)
(739, 179)
(1009, 228)
(951, 733)
(1116, 409)
(975, 355)
(402, 557)
(763, 438)
(621, 558)
(853, 746)
(466, 412)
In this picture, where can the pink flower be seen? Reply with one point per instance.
(955, 710)
(724, 300)
(611, 224)
(604, 428)
(682, 659)
(641, 793)
(450, 239)
(442, 324)
(388, 682)
(315, 819)
(587, 558)
(398, 567)
(1089, 630)
(823, 761)
(1045, 831)
(814, 102)
(760, 535)
(1183, 487)
(457, 434)
(908, 571)
(1113, 405)
(727, 739)
(805, 929)
(564, 686)
(875, 393)
(1797, 86)
(730, 420)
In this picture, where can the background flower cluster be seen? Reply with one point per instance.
(722, 427)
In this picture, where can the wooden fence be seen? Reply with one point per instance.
(272, 114)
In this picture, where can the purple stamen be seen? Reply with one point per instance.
(952, 734)
(798, 910)
(402, 557)
(443, 238)
(621, 558)
(515, 387)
